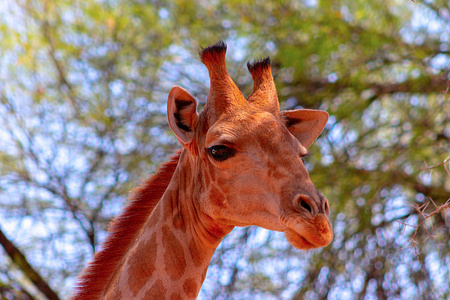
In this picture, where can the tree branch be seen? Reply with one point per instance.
(20, 260)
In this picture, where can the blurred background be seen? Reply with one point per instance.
(83, 90)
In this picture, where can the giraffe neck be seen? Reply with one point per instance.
(172, 252)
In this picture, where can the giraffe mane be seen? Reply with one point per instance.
(122, 232)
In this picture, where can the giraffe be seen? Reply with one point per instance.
(240, 165)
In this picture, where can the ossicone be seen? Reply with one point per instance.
(223, 93)
(264, 94)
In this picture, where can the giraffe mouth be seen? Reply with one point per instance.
(306, 235)
(298, 241)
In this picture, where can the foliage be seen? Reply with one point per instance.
(83, 86)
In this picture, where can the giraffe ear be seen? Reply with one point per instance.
(182, 114)
(305, 124)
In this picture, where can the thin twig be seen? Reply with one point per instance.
(426, 217)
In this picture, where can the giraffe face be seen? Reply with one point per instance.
(254, 175)
(247, 154)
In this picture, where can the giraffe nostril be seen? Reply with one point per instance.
(306, 206)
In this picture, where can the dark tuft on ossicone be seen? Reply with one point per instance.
(259, 64)
(217, 48)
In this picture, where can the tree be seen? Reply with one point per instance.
(83, 89)
(80, 123)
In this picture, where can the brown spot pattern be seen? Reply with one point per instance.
(142, 264)
(197, 257)
(168, 210)
(190, 288)
(175, 263)
(178, 222)
(176, 297)
(157, 291)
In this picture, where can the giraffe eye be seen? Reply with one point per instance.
(220, 152)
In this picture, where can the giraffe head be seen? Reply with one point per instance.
(247, 155)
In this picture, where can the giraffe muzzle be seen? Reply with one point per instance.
(307, 225)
